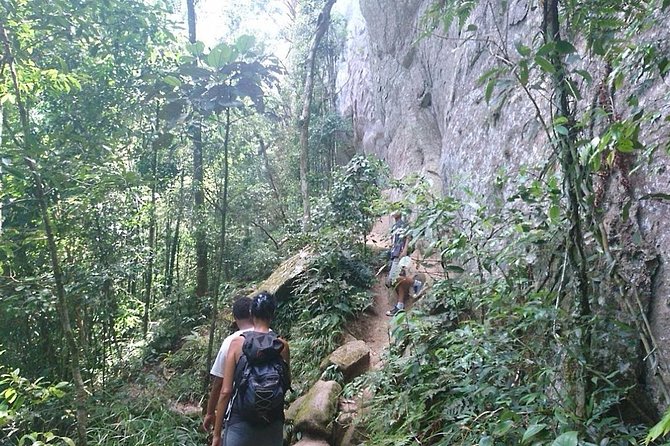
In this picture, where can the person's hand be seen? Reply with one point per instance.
(216, 441)
(208, 422)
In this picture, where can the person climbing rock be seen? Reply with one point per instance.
(256, 377)
(242, 316)
(398, 264)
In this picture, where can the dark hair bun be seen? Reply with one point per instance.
(264, 306)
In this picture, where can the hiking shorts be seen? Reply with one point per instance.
(242, 433)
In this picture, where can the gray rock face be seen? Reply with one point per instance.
(418, 105)
(353, 359)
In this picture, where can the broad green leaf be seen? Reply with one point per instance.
(532, 431)
(546, 49)
(523, 72)
(564, 47)
(194, 71)
(545, 65)
(454, 269)
(619, 81)
(566, 439)
(8, 97)
(485, 441)
(625, 146)
(625, 211)
(504, 427)
(522, 49)
(172, 80)
(244, 43)
(554, 213)
(196, 49)
(585, 75)
(221, 55)
(186, 59)
(562, 130)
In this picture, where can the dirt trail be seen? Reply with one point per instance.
(372, 327)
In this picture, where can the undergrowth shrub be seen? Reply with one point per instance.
(335, 287)
(145, 416)
(33, 412)
(488, 356)
(332, 292)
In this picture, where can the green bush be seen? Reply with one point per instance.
(31, 411)
(489, 355)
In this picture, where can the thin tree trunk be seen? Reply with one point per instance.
(303, 123)
(149, 274)
(166, 251)
(81, 394)
(174, 245)
(572, 185)
(198, 175)
(220, 276)
(262, 150)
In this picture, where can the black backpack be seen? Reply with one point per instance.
(261, 379)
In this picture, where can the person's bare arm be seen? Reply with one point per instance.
(234, 353)
(286, 356)
(207, 422)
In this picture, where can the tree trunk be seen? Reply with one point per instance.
(29, 143)
(149, 274)
(220, 276)
(303, 123)
(174, 244)
(262, 150)
(200, 233)
(581, 381)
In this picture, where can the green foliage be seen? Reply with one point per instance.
(353, 201)
(477, 359)
(144, 417)
(333, 292)
(29, 410)
(659, 430)
(335, 288)
(231, 75)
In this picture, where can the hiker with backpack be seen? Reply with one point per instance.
(242, 316)
(256, 378)
(399, 277)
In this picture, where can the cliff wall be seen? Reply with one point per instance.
(416, 103)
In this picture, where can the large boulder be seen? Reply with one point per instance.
(280, 281)
(292, 412)
(317, 409)
(353, 359)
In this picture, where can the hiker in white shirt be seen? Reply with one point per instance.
(242, 316)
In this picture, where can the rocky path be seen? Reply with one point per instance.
(372, 326)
